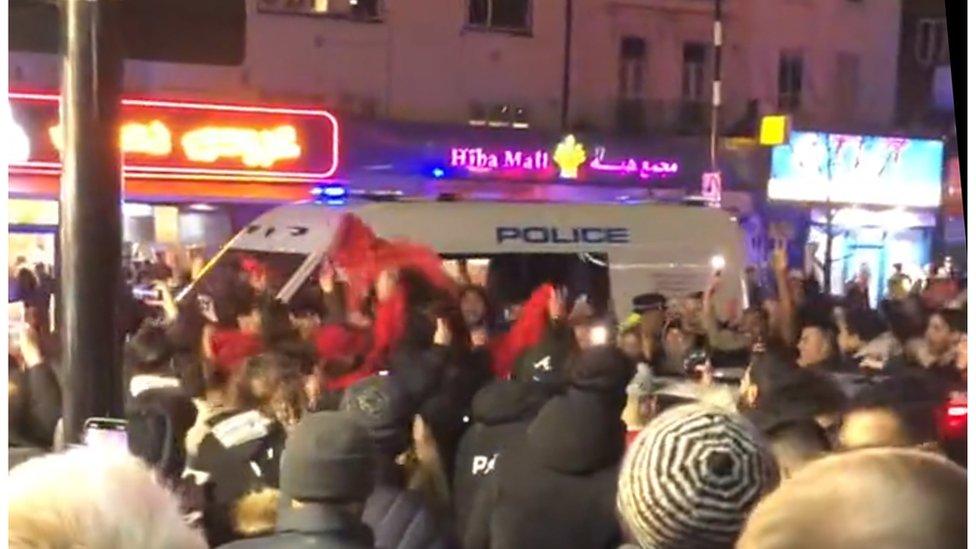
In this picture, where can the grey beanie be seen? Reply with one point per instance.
(328, 457)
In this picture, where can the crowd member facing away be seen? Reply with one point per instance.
(898, 412)
(692, 477)
(796, 443)
(242, 448)
(326, 477)
(34, 405)
(891, 498)
(554, 486)
(398, 517)
(93, 498)
(500, 412)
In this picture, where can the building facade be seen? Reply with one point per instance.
(637, 66)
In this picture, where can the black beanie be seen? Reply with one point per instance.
(382, 407)
(328, 457)
(604, 368)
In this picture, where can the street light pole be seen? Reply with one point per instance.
(567, 55)
(90, 228)
(716, 84)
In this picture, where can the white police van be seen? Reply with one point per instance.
(611, 253)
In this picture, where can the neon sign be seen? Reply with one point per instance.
(569, 156)
(645, 169)
(189, 140)
(568, 160)
(18, 144)
(256, 148)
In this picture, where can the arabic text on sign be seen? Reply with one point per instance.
(151, 139)
(255, 148)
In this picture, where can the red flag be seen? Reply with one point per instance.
(527, 331)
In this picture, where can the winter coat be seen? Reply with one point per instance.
(240, 454)
(38, 406)
(555, 486)
(500, 412)
(400, 519)
(313, 526)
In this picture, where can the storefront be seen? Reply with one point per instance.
(876, 199)
(428, 160)
(194, 172)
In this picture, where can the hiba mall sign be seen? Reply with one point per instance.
(569, 159)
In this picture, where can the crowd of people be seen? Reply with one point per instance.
(386, 405)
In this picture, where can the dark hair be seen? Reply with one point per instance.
(912, 397)
(273, 368)
(276, 323)
(804, 436)
(768, 372)
(489, 317)
(955, 318)
(149, 351)
(905, 324)
(805, 394)
(864, 323)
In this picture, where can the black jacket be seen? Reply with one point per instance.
(555, 486)
(35, 406)
(400, 519)
(500, 412)
(241, 454)
(315, 526)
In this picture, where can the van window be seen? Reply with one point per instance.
(511, 278)
(280, 266)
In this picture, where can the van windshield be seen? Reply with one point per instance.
(280, 266)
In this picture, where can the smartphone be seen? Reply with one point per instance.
(147, 294)
(105, 432)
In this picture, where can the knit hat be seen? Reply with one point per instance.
(692, 476)
(381, 405)
(328, 457)
(602, 368)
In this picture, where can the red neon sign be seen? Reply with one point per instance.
(193, 140)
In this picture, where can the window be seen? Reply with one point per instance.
(511, 278)
(354, 10)
(633, 55)
(847, 83)
(505, 15)
(693, 72)
(931, 42)
(790, 80)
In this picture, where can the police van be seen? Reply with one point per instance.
(605, 254)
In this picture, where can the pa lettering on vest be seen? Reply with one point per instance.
(562, 235)
(483, 465)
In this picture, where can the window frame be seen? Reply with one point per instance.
(488, 28)
(790, 100)
(702, 95)
(632, 71)
(309, 11)
(936, 44)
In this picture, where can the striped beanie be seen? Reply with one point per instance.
(692, 477)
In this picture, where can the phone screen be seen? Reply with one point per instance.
(106, 433)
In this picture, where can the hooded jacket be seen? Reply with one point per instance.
(312, 526)
(401, 519)
(500, 412)
(555, 485)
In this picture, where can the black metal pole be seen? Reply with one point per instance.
(90, 230)
(567, 55)
(716, 85)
